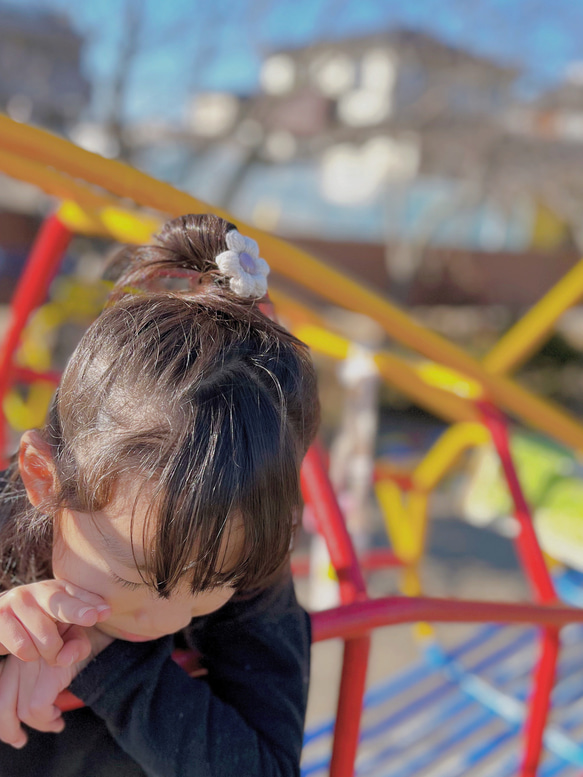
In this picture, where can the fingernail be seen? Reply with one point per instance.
(84, 610)
(102, 607)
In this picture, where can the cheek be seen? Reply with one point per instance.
(67, 566)
(86, 572)
(210, 602)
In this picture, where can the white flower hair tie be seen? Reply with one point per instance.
(244, 267)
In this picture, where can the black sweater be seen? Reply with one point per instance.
(144, 715)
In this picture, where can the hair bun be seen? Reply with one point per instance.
(191, 250)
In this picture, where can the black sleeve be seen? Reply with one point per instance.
(245, 719)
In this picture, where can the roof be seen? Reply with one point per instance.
(421, 44)
(36, 22)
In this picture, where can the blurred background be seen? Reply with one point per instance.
(430, 148)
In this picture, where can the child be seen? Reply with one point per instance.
(161, 498)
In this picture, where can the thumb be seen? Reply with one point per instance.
(76, 644)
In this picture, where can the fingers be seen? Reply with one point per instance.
(11, 732)
(76, 647)
(94, 601)
(28, 615)
(36, 696)
(28, 632)
(16, 639)
(48, 720)
(68, 603)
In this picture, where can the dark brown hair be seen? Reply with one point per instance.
(202, 399)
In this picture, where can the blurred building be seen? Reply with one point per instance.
(451, 277)
(557, 114)
(40, 68)
(40, 82)
(350, 90)
(367, 139)
(400, 154)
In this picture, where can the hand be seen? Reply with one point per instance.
(29, 616)
(27, 694)
(28, 691)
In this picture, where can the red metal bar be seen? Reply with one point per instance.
(403, 479)
(540, 579)
(380, 558)
(318, 492)
(350, 701)
(539, 703)
(357, 619)
(370, 560)
(27, 375)
(527, 545)
(45, 256)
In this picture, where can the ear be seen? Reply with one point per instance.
(37, 468)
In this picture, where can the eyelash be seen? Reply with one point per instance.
(125, 583)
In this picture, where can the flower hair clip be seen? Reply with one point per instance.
(246, 270)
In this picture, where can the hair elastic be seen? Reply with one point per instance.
(246, 270)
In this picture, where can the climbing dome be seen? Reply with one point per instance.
(481, 708)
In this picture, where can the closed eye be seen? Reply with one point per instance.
(125, 583)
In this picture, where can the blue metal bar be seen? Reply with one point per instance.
(441, 704)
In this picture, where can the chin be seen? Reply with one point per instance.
(128, 636)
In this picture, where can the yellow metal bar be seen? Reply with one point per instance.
(411, 582)
(323, 341)
(444, 453)
(118, 178)
(310, 328)
(81, 220)
(405, 514)
(292, 309)
(395, 371)
(523, 339)
(118, 223)
(539, 413)
(439, 460)
(397, 522)
(449, 380)
(51, 181)
(84, 210)
(298, 266)
(417, 502)
(514, 348)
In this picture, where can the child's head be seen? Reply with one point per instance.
(180, 424)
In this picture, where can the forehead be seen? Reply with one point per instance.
(128, 526)
(122, 524)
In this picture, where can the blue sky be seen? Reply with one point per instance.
(227, 38)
